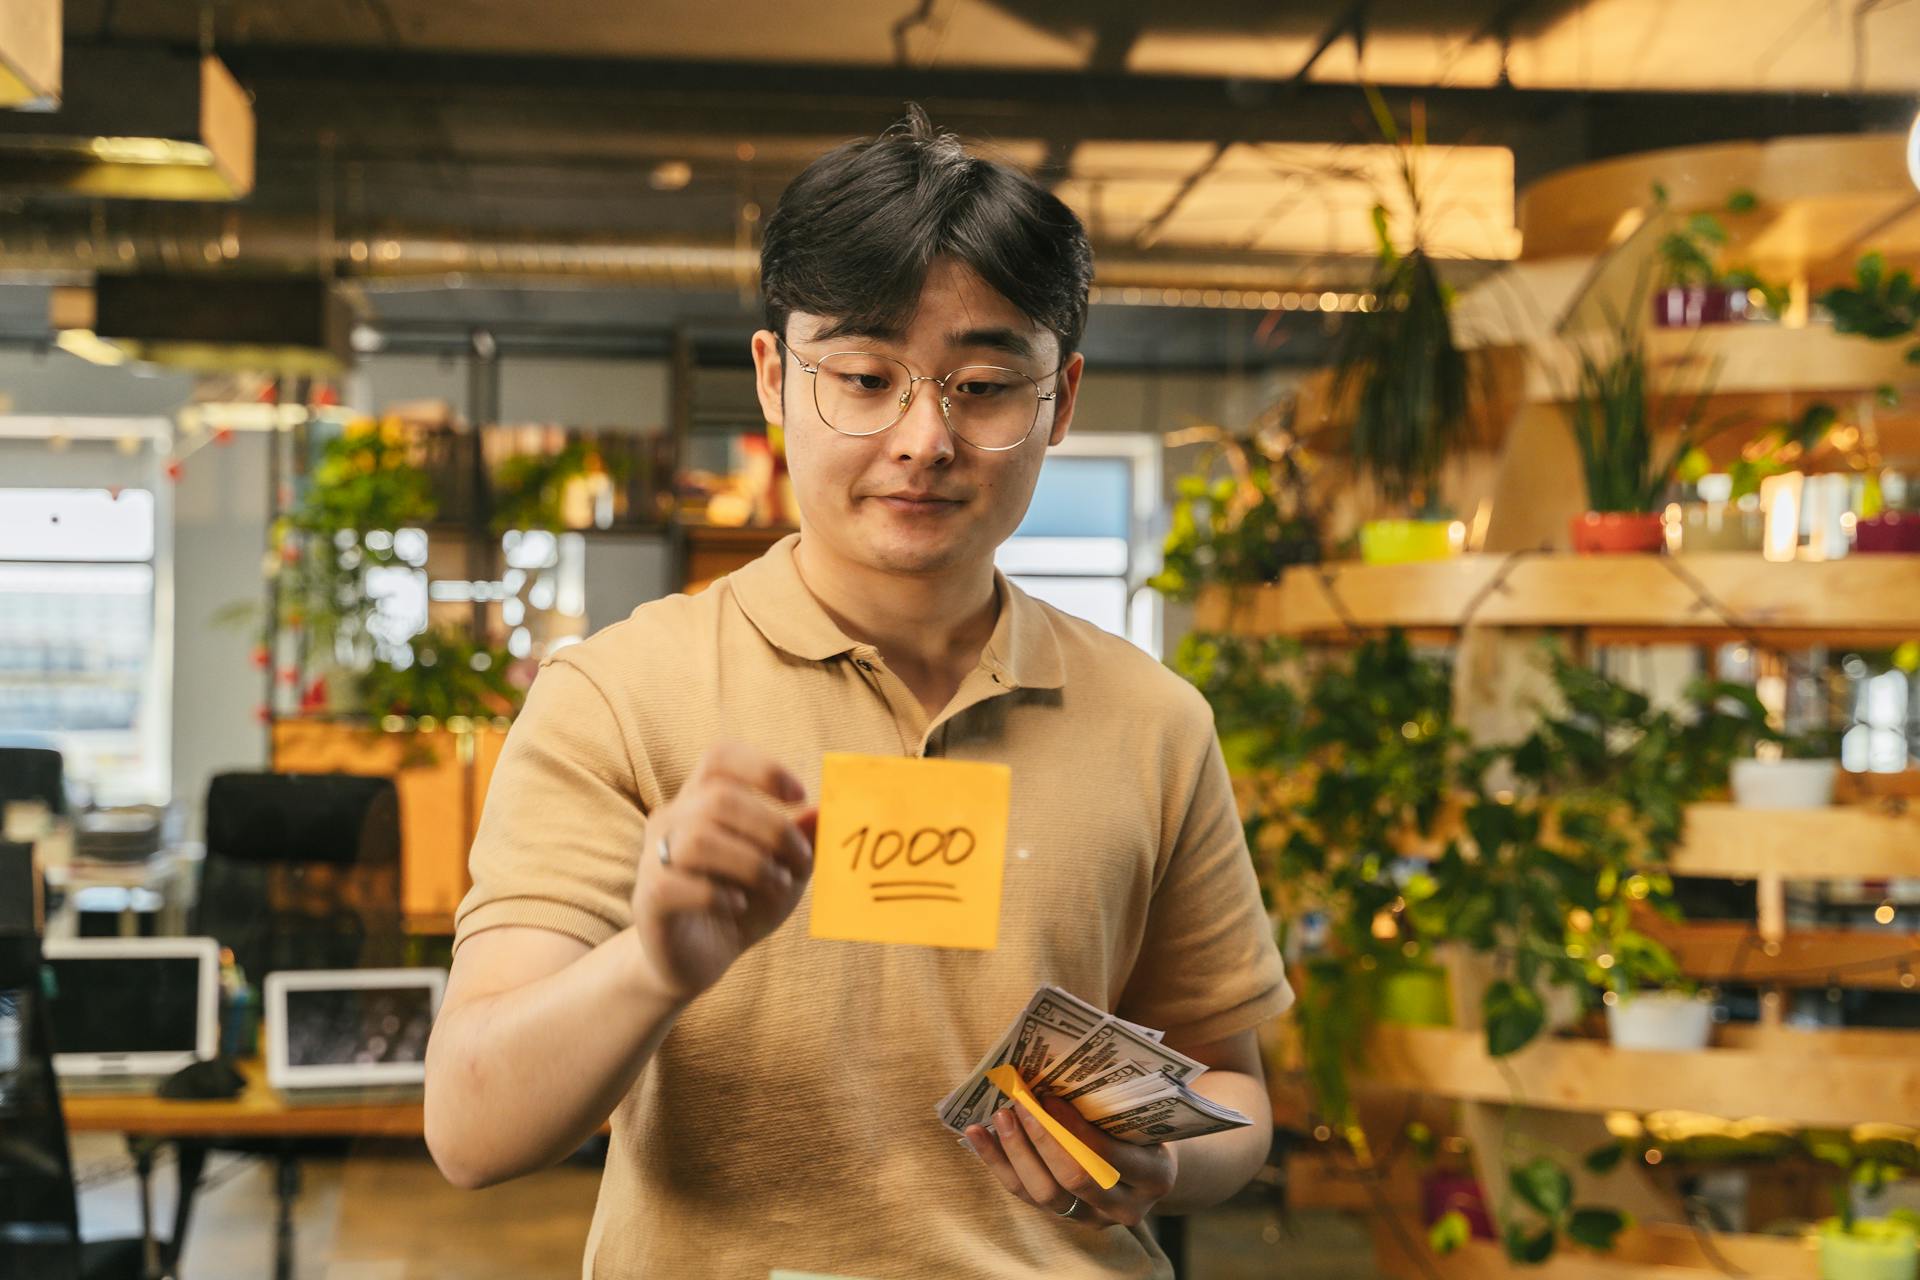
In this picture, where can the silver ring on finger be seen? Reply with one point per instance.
(1071, 1210)
(662, 852)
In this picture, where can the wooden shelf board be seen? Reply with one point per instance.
(1841, 842)
(1731, 952)
(1651, 1252)
(1859, 597)
(1821, 1078)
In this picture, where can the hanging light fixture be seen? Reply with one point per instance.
(208, 323)
(30, 54)
(135, 123)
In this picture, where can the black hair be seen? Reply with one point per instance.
(855, 233)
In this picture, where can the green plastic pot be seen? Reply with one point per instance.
(1416, 996)
(1874, 1250)
(1406, 541)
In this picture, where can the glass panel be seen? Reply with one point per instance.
(1105, 557)
(1101, 601)
(1081, 498)
(76, 524)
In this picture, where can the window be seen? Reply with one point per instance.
(1087, 544)
(79, 662)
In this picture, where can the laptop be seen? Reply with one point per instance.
(126, 1013)
(350, 1034)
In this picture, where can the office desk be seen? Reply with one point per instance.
(258, 1112)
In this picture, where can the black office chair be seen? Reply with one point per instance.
(31, 772)
(302, 871)
(39, 1211)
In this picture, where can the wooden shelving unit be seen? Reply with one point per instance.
(1842, 842)
(1642, 1253)
(1872, 599)
(1486, 604)
(1813, 1078)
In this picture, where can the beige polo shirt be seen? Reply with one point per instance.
(788, 1119)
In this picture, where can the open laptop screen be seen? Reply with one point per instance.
(131, 1006)
(119, 1004)
(348, 1026)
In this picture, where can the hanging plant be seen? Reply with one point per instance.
(1397, 363)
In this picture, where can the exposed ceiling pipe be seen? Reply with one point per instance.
(77, 246)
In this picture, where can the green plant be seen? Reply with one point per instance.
(363, 480)
(1878, 305)
(530, 488)
(1345, 768)
(1616, 424)
(1243, 527)
(449, 675)
(1397, 362)
(1690, 254)
(1545, 1187)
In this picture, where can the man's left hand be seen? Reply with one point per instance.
(1034, 1167)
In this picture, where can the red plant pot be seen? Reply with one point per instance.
(1891, 531)
(1599, 533)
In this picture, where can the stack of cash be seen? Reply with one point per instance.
(1115, 1073)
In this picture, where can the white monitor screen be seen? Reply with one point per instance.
(338, 1027)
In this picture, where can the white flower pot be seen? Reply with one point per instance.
(1784, 784)
(1663, 1020)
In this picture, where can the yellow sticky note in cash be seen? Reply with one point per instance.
(1008, 1081)
(910, 851)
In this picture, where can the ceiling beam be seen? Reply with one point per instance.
(303, 93)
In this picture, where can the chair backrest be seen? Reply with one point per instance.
(32, 773)
(302, 871)
(39, 1218)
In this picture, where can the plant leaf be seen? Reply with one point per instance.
(1604, 1160)
(1532, 1248)
(1596, 1228)
(1514, 1016)
(1543, 1185)
(1450, 1231)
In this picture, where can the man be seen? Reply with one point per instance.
(631, 946)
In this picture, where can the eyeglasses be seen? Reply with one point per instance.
(861, 393)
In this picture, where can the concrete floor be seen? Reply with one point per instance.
(535, 1229)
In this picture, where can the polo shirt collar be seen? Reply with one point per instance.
(1023, 648)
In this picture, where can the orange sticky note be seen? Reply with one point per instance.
(910, 851)
(1008, 1081)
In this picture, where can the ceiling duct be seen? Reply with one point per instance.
(134, 123)
(208, 324)
(230, 240)
(30, 54)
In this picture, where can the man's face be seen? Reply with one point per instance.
(915, 498)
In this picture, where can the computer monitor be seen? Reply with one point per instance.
(132, 1007)
(343, 1028)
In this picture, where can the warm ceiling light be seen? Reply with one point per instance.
(30, 54)
(135, 123)
(670, 175)
(209, 324)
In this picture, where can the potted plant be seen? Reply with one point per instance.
(1693, 290)
(1870, 1248)
(1853, 1247)
(1801, 776)
(1245, 527)
(1616, 423)
(1398, 366)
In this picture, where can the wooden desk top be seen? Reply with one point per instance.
(259, 1112)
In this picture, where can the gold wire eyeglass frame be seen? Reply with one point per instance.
(913, 387)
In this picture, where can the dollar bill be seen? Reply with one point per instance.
(1107, 1046)
(1181, 1114)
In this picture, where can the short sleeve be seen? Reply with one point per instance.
(563, 823)
(1208, 967)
